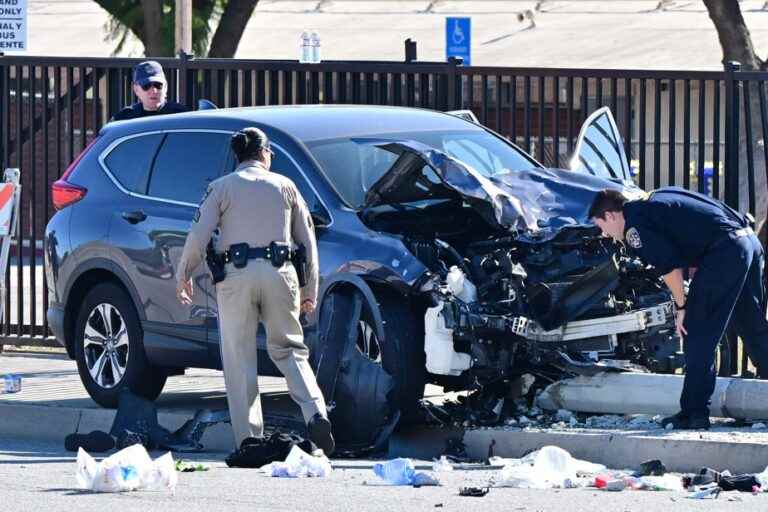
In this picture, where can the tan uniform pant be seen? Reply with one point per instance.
(262, 293)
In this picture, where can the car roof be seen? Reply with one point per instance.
(304, 122)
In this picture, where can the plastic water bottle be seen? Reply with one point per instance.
(314, 40)
(395, 471)
(305, 48)
(11, 383)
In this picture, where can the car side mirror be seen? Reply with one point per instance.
(320, 218)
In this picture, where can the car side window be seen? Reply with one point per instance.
(186, 164)
(281, 164)
(129, 162)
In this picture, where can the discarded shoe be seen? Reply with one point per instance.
(682, 421)
(319, 429)
(96, 441)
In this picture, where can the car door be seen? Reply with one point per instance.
(599, 150)
(149, 233)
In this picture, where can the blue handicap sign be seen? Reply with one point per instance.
(458, 39)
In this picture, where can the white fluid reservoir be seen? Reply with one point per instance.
(441, 358)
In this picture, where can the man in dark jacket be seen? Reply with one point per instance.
(673, 229)
(151, 87)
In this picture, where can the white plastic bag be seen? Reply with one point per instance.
(666, 482)
(549, 467)
(129, 469)
(299, 464)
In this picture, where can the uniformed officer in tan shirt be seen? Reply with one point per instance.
(256, 206)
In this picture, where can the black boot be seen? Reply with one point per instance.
(684, 421)
(319, 429)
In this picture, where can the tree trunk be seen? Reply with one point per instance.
(233, 21)
(152, 35)
(736, 44)
(733, 33)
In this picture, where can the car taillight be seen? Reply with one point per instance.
(64, 193)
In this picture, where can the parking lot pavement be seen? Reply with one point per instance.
(36, 476)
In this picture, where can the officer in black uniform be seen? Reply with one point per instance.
(151, 87)
(673, 229)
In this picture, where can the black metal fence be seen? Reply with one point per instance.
(699, 130)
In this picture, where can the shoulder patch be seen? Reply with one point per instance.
(633, 238)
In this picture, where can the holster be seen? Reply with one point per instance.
(299, 261)
(215, 264)
(279, 254)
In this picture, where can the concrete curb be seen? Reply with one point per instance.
(617, 450)
(46, 423)
(624, 450)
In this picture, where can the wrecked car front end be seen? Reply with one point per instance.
(517, 281)
(538, 291)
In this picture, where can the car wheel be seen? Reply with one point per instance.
(109, 349)
(402, 353)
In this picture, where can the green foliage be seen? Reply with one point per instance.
(127, 17)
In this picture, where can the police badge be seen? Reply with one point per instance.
(633, 238)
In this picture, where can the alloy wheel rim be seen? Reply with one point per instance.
(106, 346)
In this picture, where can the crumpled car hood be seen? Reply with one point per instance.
(533, 204)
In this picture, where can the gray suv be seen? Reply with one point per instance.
(447, 255)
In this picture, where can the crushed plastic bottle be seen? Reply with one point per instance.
(11, 383)
(305, 48)
(395, 471)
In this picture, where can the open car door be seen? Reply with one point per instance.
(599, 150)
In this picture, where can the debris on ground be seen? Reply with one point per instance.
(183, 466)
(442, 465)
(95, 441)
(547, 468)
(474, 492)
(299, 464)
(130, 469)
(401, 471)
(255, 452)
(136, 423)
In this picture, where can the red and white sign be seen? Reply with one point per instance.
(6, 207)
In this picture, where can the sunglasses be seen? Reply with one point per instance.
(157, 85)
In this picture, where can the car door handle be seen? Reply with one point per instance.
(135, 217)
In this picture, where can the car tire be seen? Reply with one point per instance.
(402, 351)
(111, 357)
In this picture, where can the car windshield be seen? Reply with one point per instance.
(352, 165)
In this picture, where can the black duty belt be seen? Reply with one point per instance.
(253, 253)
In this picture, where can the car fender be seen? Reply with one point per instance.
(348, 278)
(109, 266)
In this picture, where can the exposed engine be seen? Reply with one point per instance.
(575, 304)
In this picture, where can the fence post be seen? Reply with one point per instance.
(451, 76)
(186, 91)
(732, 98)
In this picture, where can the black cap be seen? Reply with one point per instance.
(148, 72)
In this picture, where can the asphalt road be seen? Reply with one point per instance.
(40, 476)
